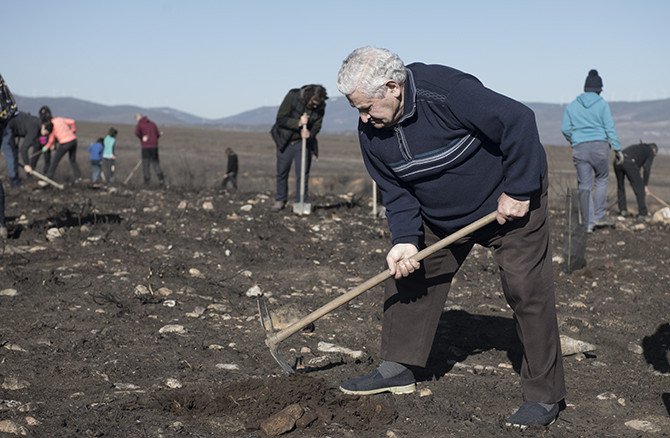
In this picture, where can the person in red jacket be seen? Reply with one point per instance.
(148, 133)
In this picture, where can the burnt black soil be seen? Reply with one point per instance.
(135, 320)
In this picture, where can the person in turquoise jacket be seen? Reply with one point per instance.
(109, 155)
(589, 127)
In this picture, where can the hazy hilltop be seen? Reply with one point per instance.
(648, 121)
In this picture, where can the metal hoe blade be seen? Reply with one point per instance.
(271, 340)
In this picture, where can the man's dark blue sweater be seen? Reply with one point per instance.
(456, 149)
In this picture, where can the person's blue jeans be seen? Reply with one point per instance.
(11, 153)
(96, 167)
(592, 163)
(2, 206)
(292, 154)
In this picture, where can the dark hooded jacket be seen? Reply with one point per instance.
(26, 126)
(286, 129)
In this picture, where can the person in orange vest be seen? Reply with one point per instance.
(63, 130)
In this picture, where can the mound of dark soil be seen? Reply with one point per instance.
(132, 312)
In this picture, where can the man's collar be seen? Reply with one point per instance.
(409, 105)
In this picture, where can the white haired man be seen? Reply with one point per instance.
(445, 151)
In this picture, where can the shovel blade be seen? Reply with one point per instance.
(306, 208)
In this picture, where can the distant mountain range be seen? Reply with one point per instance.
(648, 121)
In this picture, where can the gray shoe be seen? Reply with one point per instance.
(605, 222)
(374, 383)
(3, 232)
(532, 414)
(278, 205)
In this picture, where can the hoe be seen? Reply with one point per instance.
(275, 337)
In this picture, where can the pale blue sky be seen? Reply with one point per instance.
(219, 58)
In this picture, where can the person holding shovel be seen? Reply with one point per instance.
(28, 127)
(299, 117)
(446, 151)
(148, 133)
(9, 110)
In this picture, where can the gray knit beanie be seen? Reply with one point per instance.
(593, 82)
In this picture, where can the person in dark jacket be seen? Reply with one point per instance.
(636, 158)
(27, 126)
(231, 170)
(300, 115)
(8, 110)
(148, 133)
(446, 151)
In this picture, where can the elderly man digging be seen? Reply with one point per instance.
(446, 151)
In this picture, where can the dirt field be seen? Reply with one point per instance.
(130, 311)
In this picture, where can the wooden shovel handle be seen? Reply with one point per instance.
(275, 338)
(132, 172)
(46, 179)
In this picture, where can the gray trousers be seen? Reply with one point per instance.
(522, 249)
(592, 163)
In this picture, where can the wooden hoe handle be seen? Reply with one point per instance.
(279, 336)
(663, 203)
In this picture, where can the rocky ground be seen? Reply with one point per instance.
(130, 311)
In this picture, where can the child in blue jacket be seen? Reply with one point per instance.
(95, 151)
